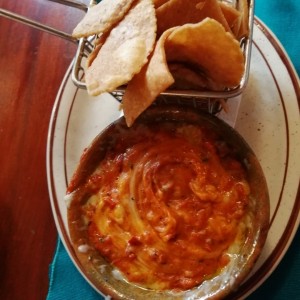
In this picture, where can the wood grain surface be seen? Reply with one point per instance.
(32, 66)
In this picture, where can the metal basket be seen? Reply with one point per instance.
(211, 101)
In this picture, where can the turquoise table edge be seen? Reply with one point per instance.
(282, 18)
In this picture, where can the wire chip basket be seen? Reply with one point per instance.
(211, 101)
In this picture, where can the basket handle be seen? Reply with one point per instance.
(72, 3)
(21, 19)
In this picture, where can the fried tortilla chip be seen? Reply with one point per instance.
(158, 3)
(98, 43)
(102, 17)
(153, 79)
(179, 12)
(213, 50)
(125, 50)
(232, 16)
(244, 10)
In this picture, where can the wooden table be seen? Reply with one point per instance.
(32, 66)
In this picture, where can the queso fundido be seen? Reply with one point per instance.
(167, 205)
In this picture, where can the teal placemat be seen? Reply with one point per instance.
(283, 18)
(65, 282)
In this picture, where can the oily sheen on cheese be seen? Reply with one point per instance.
(166, 204)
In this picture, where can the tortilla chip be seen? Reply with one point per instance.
(102, 17)
(180, 12)
(158, 3)
(244, 10)
(208, 46)
(187, 78)
(98, 43)
(125, 50)
(153, 79)
(232, 16)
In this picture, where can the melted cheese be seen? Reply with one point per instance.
(167, 205)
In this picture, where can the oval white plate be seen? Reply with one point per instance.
(267, 116)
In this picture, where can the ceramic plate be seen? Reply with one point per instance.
(266, 115)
